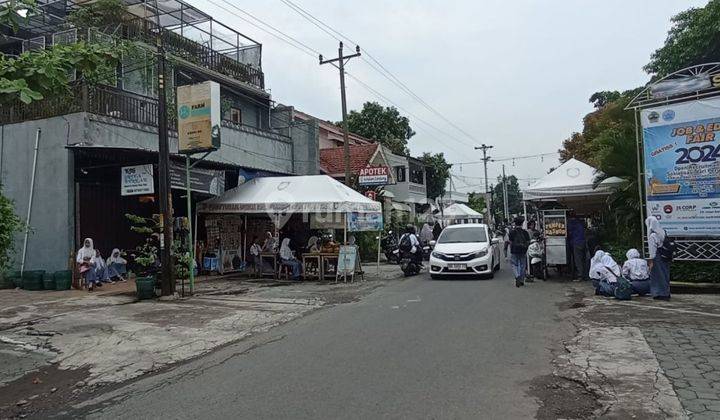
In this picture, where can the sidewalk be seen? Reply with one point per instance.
(647, 358)
(74, 342)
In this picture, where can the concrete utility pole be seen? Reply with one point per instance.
(168, 282)
(341, 60)
(505, 196)
(488, 197)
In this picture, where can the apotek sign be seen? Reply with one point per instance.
(374, 175)
(682, 166)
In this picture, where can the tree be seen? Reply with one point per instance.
(476, 201)
(600, 99)
(437, 172)
(514, 198)
(574, 146)
(15, 12)
(10, 225)
(694, 38)
(383, 124)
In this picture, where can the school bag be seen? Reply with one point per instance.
(520, 240)
(667, 249)
(623, 288)
(405, 243)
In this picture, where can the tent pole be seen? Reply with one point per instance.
(245, 241)
(345, 229)
(378, 256)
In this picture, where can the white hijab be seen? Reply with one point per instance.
(285, 251)
(312, 242)
(112, 259)
(653, 226)
(87, 251)
(426, 233)
(594, 262)
(635, 268)
(609, 271)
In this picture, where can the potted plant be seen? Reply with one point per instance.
(145, 256)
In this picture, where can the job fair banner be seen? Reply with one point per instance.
(682, 166)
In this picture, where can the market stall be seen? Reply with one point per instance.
(316, 200)
(570, 187)
(459, 213)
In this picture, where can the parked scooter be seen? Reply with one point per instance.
(408, 263)
(389, 244)
(536, 254)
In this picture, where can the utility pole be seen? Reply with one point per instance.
(488, 197)
(168, 282)
(505, 196)
(341, 60)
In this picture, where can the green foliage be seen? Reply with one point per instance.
(514, 198)
(383, 124)
(44, 73)
(694, 38)
(437, 171)
(367, 245)
(15, 12)
(695, 271)
(146, 254)
(98, 14)
(10, 225)
(476, 201)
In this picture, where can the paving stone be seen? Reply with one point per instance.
(680, 383)
(694, 406)
(686, 394)
(674, 373)
(693, 373)
(704, 416)
(712, 376)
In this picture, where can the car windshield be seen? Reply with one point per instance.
(458, 235)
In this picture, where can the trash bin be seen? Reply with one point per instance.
(63, 279)
(145, 287)
(33, 279)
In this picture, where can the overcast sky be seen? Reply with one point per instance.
(516, 74)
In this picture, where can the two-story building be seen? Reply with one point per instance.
(410, 189)
(87, 137)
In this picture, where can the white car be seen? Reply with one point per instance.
(465, 249)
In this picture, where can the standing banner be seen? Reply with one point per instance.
(682, 170)
(137, 180)
(198, 108)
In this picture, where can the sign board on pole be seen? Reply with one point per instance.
(137, 180)
(204, 181)
(198, 108)
(361, 222)
(682, 166)
(374, 175)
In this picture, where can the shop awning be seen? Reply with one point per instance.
(291, 194)
(460, 211)
(572, 179)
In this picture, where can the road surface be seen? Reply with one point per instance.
(416, 348)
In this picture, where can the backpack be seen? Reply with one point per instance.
(667, 249)
(521, 239)
(405, 243)
(624, 289)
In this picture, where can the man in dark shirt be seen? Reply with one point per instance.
(519, 242)
(576, 237)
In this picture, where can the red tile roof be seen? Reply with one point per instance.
(332, 161)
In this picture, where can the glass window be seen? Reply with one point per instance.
(400, 173)
(417, 174)
(464, 234)
(234, 115)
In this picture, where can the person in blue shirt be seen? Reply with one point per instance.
(576, 239)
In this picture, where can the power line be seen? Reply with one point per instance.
(507, 158)
(382, 70)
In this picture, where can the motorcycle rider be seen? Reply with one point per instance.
(415, 250)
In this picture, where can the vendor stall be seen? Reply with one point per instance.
(570, 187)
(459, 213)
(318, 198)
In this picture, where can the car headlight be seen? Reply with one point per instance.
(437, 254)
(480, 253)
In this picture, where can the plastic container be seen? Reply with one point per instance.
(48, 281)
(16, 278)
(145, 287)
(63, 279)
(33, 279)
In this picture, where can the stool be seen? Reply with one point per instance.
(285, 270)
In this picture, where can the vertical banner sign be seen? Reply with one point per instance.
(682, 166)
(137, 180)
(198, 108)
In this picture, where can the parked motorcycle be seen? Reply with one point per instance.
(536, 254)
(389, 244)
(408, 263)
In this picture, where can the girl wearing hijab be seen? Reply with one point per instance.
(636, 270)
(594, 261)
(86, 263)
(117, 265)
(269, 245)
(659, 268)
(607, 271)
(101, 270)
(287, 258)
(312, 245)
(426, 234)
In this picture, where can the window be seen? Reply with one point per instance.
(400, 173)
(234, 115)
(417, 174)
(463, 234)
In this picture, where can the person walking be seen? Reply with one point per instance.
(519, 243)
(659, 266)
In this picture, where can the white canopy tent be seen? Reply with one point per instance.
(291, 194)
(459, 213)
(572, 185)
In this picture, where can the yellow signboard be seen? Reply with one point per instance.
(198, 111)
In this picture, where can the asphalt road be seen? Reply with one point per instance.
(413, 349)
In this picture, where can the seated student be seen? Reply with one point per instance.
(116, 266)
(269, 245)
(596, 259)
(608, 272)
(255, 250)
(85, 260)
(287, 258)
(312, 245)
(101, 269)
(636, 270)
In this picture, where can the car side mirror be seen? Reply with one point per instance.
(432, 243)
(495, 241)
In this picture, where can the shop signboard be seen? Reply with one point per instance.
(201, 180)
(374, 175)
(198, 112)
(555, 229)
(682, 166)
(361, 222)
(137, 180)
